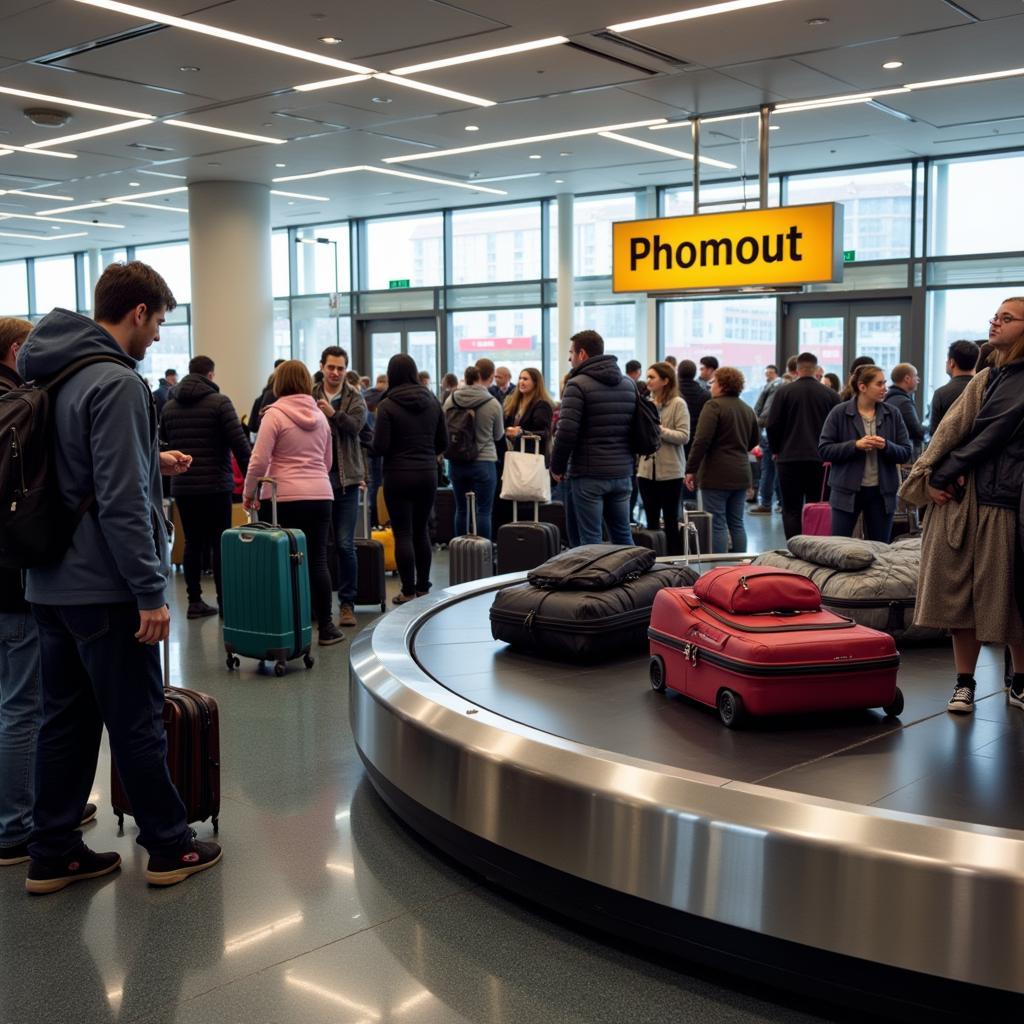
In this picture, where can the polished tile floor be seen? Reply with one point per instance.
(325, 908)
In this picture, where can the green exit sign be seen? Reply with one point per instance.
(849, 256)
(400, 283)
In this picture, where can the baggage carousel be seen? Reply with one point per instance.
(864, 860)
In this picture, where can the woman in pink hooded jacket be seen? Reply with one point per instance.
(294, 447)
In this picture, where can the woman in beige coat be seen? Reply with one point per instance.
(971, 476)
(660, 476)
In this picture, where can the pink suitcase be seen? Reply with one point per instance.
(816, 518)
(772, 663)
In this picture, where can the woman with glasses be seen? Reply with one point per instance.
(970, 560)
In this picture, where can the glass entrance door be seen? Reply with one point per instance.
(382, 339)
(838, 332)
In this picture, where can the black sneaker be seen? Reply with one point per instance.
(962, 701)
(11, 855)
(329, 634)
(199, 610)
(88, 814)
(45, 876)
(760, 510)
(172, 868)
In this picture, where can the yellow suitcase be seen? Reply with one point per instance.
(387, 538)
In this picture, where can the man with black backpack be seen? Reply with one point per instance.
(595, 443)
(101, 607)
(476, 427)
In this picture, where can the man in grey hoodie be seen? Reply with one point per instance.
(478, 475)
(102, 610)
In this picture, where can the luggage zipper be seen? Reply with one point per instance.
(693, 654)
(844, 623)
(533, 620)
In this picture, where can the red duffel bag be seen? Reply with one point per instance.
(754, 589)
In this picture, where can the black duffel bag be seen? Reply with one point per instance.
(583, 625)
(592, 567)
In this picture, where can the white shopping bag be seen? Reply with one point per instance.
(526, 478)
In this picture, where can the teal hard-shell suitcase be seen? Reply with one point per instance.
(265, 585)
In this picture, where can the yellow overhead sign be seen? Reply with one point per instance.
(778, 246)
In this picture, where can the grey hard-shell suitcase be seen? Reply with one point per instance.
(371, 586)
(523, 545)
(470, 557)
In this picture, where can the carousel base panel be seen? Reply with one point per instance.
(864, 860)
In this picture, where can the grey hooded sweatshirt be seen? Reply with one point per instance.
(106, 444)
(490, 421)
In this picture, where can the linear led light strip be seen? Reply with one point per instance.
(710, 161)
(73, 103)
(43, 238)
(527, 140)
(59, 220)
(388, 170)
(698, 12)
(34, 195)
(6, 147)
(132, 197)
(44, 146)
(409, 83)
(468, 58)
(189, 25)
(299, 195)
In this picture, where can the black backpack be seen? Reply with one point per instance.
(36, 526)
(645, 428)
(461, 423)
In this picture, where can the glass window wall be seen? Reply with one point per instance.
(174, 265)
(511, 337)
(172, 351)
(678, 202)
(55, 284)
(314, 328)
(14, 288)
(405, 249)
(738, 332)
(499, 243)
(877, 207)
(593, 217)
(322, 266)
(279, 272)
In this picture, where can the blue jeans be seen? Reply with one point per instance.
(95, 673)
(345, 514)
(20, 711)
(877, 522)
(596, 502)
(726, 508)
(769, 491)
(480, 478)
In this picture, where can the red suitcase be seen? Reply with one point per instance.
(769, 663)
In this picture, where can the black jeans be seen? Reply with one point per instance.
(877, 522)
(799, 482)
(409, 494)
(95, 673)
(204, 517)
(313, 518)
(661, 501)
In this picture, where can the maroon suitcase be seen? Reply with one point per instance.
(772, 663)
(192, 721)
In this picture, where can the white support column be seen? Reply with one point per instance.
(94, 262)
(232, 293)
(566, 319)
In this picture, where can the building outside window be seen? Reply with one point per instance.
(55, 284)
(14, 288)
(172, 351)
(315, 261)
(405, 248)
(510, 337)
(500, 243)
(172, 262)
(279, 272)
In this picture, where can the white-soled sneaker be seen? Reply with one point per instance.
(962, 701)
(1016, 698)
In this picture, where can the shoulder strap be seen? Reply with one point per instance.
(53, 383)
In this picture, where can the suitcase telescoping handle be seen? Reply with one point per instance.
(273, 497)
(366, 515)
(471, 508)
(167, 662)
(523, 438)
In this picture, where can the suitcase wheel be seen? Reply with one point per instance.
(280, 668)
(730, 708)
(895, 709)
(657, 669)
(308, 661)
(232, 662)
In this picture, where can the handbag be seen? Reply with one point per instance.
(526, 477)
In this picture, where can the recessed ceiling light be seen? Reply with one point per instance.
(291, 202)
(472, 128)
(331, 40)
(467, 58)
(189, 25)
(381, 99)
(135, 184)
(774, 127)
(213, 163)
(892, 65)
(559, 181)
(188, 67)
(700, 12)
(280, 165)
(815, 22)
(535, 156)
(55, 227)
(566, 153)
(506, 143)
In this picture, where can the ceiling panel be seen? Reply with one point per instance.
(968, 50)
(570, 17)
(782, 30)
(385, 25)
(701, 92)
(49, 27)
(554, 69)
(785, 79)
(991, 8)
(983, 101)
